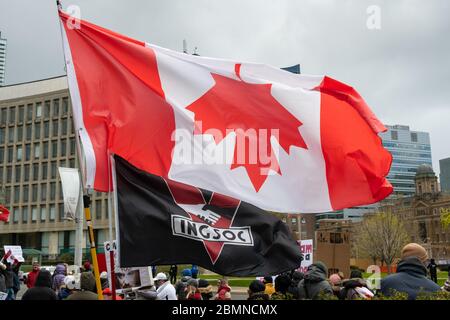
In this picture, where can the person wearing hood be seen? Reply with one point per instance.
(58, 276)
(314, 283)
(256, 291)
(355, 287)
(411, 277)
(181, 286)
(296, 277)
(42, 289)
(223, 290)
(87, 283)
(282, 283)
(205, 289)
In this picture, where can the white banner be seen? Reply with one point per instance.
(16, 253)
(306, 248)
(70, 181)
(125, 277)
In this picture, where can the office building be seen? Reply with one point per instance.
(444, 177)
(2, 60)
(409, 150)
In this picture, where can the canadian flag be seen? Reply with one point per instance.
(4, 214)
(283, 142)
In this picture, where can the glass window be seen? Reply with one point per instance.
(394, 135)
(55, 128)
(52, 190)
(414, 136)
(38, 110)
(72, 163)
(26, 172)
(63, 148)
(65, 106)
(27, 152)
(37, 150)
(3, 116)
(72, 146)
(34, 192)
(64, 127)
(47, 109)
(12, 115)
(16, 215)
(19, 133)
(29, 112)
(2, 135)
(34, 214)
(2, 155)
(35, 172)
(43, 213)
(53, 170)
(61, 212)
(44, 171)
(43, 192)
(17, 194)
(45, 150)
(46, 129)
(10, 154)
(25, 214)
(54, 149)
(7, 195)
(52, 212)
(8, 174)
(19, 153)
(21, 113)
(11, 135)
(25, 193)
(37, 130)
(98, 209)
(56, 107)
(28, 131)
(18, 170)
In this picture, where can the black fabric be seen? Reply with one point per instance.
(39, 293)
(145, 210)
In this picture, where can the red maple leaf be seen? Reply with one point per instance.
(236, 106)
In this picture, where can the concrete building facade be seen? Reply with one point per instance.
(37, 137)
(2, 60)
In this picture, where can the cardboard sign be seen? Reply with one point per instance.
(306, 248)
(16, 253)
(3, 296)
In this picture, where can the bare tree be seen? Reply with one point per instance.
(381, 236)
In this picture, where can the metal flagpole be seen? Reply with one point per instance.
(86, 196)
(79, 230)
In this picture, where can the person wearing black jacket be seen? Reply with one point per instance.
(42, 289)
(432, 266)
(173, 273)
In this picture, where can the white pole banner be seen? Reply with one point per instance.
(70, 181)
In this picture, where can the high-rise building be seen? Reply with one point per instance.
(444, 177)
(37, 137)
(2, 59)
(409, 150)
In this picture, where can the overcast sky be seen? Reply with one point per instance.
(402, 70)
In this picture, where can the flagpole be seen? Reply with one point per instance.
(86, 196)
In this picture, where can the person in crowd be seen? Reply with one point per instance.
(8, 274)
(282, 283)
(411, 274)
(296, 277)
(16, 280)
(432, 267)
(336, 284)
(67, 288)
(181, 286)
(268, 282)
(146, 293)
(194, 271)
(164, 289)
(173, 271)
(256, 291)
(446, 286)
(153, 270)
(87, 267)
(87, 282)
(58, 277)
(32, 276)
(2, 279)
(314, 284)
(104, 280)
(205, 289)
(355, 287)
(223, 290)
(42, 289)
(107, 295)
(193, 291)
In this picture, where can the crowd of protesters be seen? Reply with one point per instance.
(410, 279)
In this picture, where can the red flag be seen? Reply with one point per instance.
(4, 214)
(283, 142)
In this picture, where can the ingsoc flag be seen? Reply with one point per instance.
(281, 141)
(163, 222)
